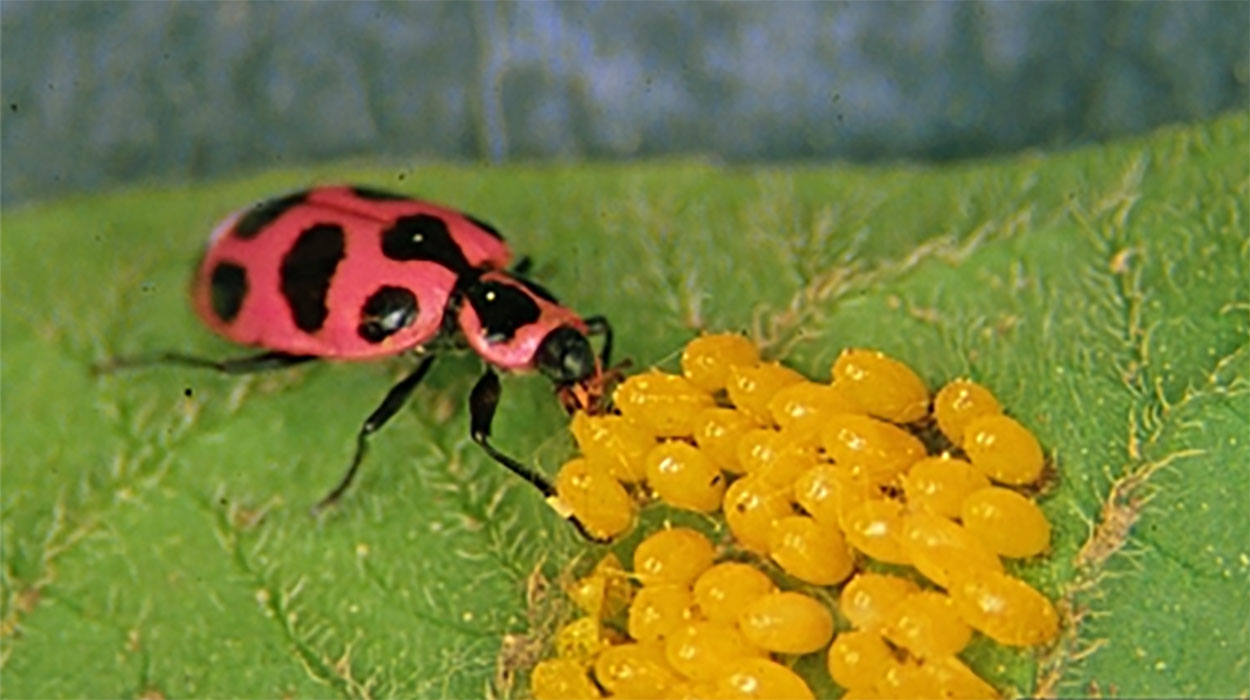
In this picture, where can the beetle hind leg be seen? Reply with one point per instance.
(264, 362)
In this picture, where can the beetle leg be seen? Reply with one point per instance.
(483, 401)
(263, 362)
(598, 325)
(523, 266)
(395, 400)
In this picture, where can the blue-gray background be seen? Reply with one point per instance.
(103, 93)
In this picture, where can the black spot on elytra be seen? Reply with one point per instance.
(187, 392)
(227, 290)
(484, 226)
(423, 237)
(306, 273)
(377, 195)
(386, 311)
(265, 213)
(502, 308)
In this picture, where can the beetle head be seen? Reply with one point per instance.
(565, 356)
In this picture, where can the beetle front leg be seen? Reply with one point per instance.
(598, 325)
(483, 401)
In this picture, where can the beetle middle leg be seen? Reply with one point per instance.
(394, 400)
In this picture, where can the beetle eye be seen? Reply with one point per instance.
(565, 355)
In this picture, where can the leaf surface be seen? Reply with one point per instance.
(155, 531)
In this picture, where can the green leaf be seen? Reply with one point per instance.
(156, 538)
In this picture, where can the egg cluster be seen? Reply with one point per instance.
(820, 478)
(696, 629)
